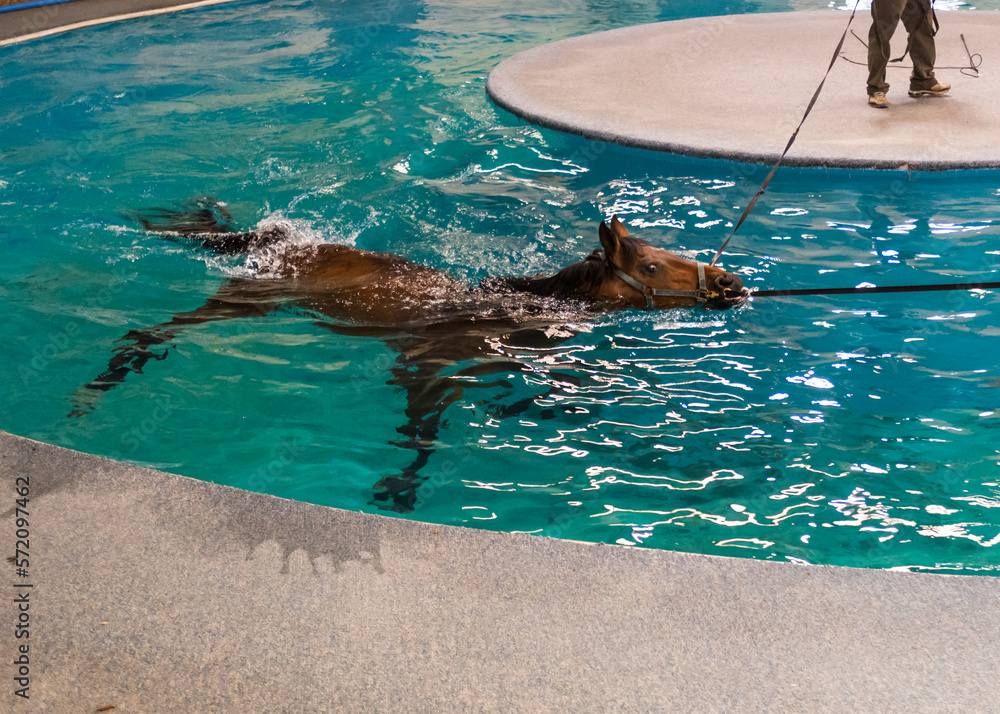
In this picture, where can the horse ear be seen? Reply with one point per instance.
(618, 228)
(609, 241)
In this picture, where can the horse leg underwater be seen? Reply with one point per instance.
(417, 371)
(238, 298)
(429, 394)
(137, 346)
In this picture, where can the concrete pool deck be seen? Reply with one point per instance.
(154, 592)
(735, 87)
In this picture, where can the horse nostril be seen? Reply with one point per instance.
(729, 282)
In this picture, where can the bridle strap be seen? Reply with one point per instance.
(700, 295)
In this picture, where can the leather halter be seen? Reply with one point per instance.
(700, 296)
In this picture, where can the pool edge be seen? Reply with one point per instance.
(157, 591)
(35, 23)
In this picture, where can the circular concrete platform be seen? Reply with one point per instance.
(735, 87)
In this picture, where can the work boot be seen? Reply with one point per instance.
(878, 100)
(936, 91)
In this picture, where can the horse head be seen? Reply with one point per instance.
(640, 275)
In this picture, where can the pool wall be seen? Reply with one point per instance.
(156, 592)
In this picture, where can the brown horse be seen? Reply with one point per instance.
(430, 319)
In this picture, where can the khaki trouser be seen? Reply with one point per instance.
(917, 18)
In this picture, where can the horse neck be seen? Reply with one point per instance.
(580, 281)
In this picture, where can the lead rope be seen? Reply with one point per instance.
(791, 140)
(872, 289)
(929, 16)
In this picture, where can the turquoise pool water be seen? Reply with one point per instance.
(854, 431)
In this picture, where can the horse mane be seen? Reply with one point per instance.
(579, 281)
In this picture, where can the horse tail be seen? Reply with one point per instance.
(206, 221)
(199, 215)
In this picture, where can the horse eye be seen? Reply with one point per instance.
(650, 268)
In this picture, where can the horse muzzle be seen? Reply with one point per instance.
(726, 291)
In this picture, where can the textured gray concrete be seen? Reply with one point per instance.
(735, 87)
(71, 15)
(157, 593)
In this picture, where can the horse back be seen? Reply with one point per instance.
(364, 286)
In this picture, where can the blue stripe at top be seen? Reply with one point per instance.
(33, 3)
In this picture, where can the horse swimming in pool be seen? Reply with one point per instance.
(428, 318)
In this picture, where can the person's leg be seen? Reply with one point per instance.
(918, 21)
(885, 18)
